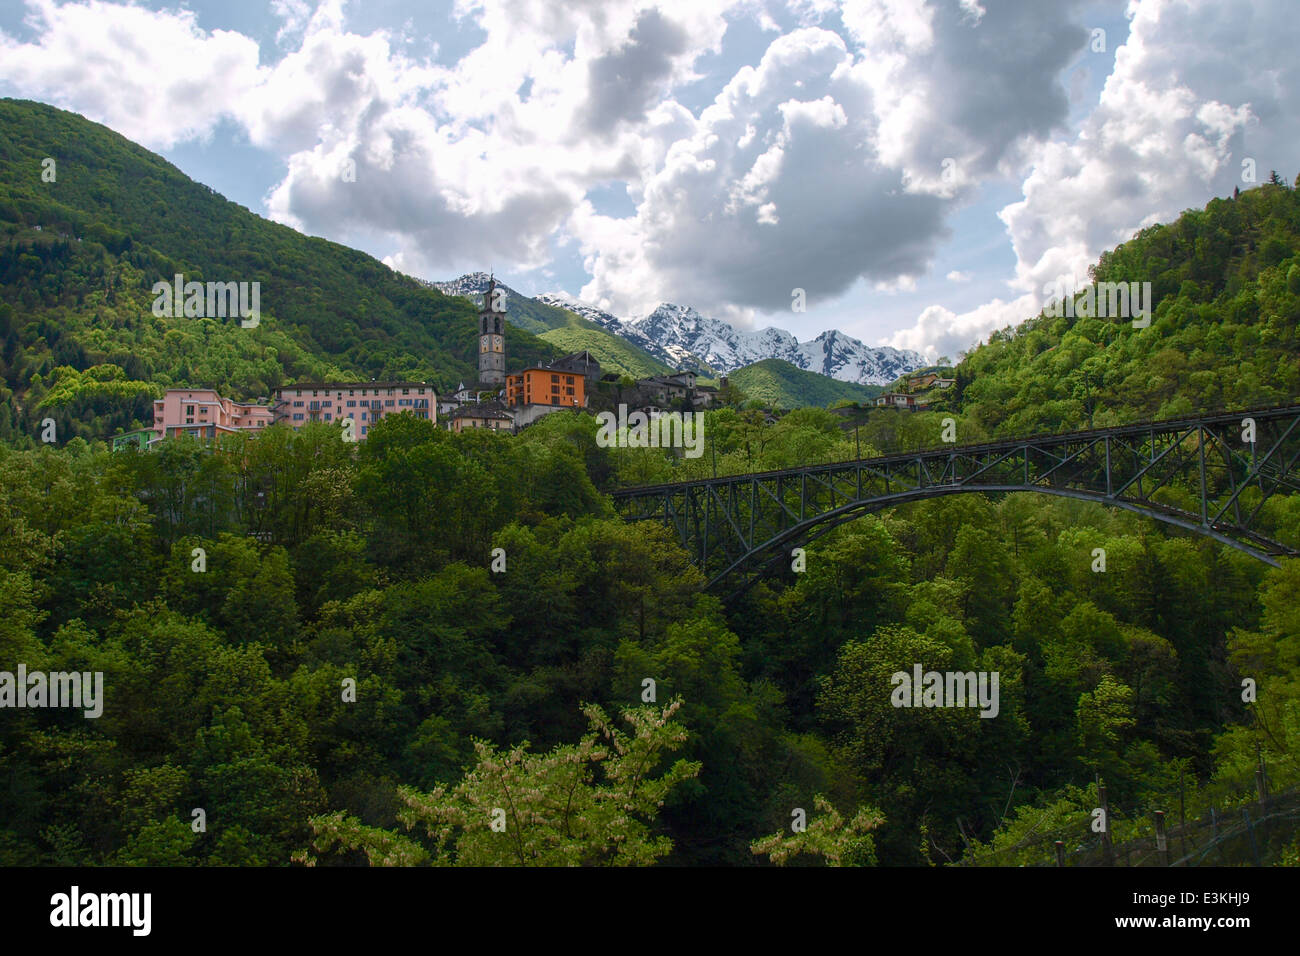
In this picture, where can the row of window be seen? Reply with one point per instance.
(300, 416)
(352, 391)
(234, 424)
(403, 402)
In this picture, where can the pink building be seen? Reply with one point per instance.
(363, 402)
(205, 414)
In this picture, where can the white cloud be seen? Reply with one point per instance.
(1193, 92)
(1190, 95)
(958, 276)
(153, 76)
(939, 331)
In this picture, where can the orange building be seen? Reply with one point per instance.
(545, 386)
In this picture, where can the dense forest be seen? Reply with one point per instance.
(446, 648)
(479, 673)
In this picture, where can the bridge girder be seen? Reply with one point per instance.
(1196, 473)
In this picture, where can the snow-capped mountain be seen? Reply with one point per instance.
(471, 285)
(607, 321)
(681, 337)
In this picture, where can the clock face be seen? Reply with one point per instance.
(496, 343)
(483, 343)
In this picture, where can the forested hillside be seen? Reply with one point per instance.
(1226, 285)
(778, 384)
(80, 254)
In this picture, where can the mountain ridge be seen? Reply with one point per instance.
(683, 337)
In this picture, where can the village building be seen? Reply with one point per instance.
(203, 413)
(490, 414)
(927, 380)
(900, 400)
(366, 403)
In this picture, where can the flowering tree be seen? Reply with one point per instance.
(827, 836)
(583, 804)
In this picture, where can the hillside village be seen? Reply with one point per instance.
(497, 400)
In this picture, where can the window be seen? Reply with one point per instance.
(363, 416)
(389, 402)
(299, 394)
(555, 399)
(555, 378)
(568, 379)
(327, 416)
(351, 392)
(189, 421)
(298, 404)
(189, 409)
(406, 391)
(352, 404)
(297, 415)
(363, 429)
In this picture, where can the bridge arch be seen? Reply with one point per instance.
(729, 524)
(813, 528)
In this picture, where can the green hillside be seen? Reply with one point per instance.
(614, 354)
(1225, 281)
(778, 384)
(79, 256)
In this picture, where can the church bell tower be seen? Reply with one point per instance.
(492, 336)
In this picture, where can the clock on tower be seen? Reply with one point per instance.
(491, 337)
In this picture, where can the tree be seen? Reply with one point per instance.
(583, 804)
(827, 836)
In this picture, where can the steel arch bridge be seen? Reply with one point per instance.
(1200, 473)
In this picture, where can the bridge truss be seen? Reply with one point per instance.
(1199, 473)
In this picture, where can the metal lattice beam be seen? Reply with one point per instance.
(1197, 473)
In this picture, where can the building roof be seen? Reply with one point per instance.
(330, 385)
(542, 368)
(583, 357)
(483, 410)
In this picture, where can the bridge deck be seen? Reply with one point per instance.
(1197, 472)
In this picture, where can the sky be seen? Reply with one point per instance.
(922, 170)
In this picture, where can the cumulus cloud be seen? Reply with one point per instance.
(939, 331)
(625, 82)
(154, 76)
(1196, 88)
(1189, 98)
(835, 160)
